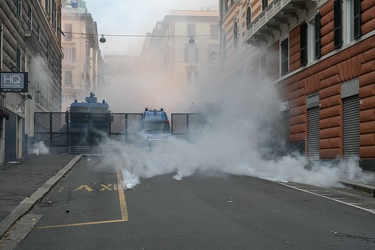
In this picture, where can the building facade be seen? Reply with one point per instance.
(320, 56)
(29, 43)
(82, 57)
(117, 65)
(180, 53)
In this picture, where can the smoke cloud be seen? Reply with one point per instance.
(241, 133)
(239, 137)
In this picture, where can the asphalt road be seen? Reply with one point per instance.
(89, 210)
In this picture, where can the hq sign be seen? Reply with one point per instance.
(14, 82)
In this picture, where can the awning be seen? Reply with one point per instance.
(4, 113)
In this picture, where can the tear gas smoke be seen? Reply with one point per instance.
(40, 148)
(241, 134)
(239, 137)
(38, 74)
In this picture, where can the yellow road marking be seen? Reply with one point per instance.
(83, 187)
(121, 194)
(106, 187)
(123, 208)
(82, 224)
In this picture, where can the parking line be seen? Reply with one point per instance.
(82, 224)
(123, 208)
(121, 194)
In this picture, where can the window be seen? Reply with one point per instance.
(1, 47)
(47, 53)
(68, 81)
(248, 16)
(38, 32)
(19, 7)
(357, 18)
(214, 31)
(192, 76)
(337, 20)
(191, 54)
(18, 59)
(352, 20)
(284, 57)
(224, 47)
(225, 6)
(317, 35)
(235, 35)
(303, 44)
(263, 67)
(47, 6)
(54, 14)
(191, 29)
(70, 54)
(312, 39)
(68, 32)
(264, 4)
(29, 17)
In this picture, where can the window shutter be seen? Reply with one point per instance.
(284, 57)
(196, 54)
(357, 18)
(73, 54)
(337, 23)
(18, 59)
(264, 4)
(248, 16)
(303, 44)
(317, 36)
(19, 8)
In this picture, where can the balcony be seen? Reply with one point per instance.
(278, 13)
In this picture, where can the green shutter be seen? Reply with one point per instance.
(303, 44)
(18, 59)
(357, 18)
(337, 12)
(317, 36)
(284, 57)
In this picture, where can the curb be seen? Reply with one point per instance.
(359, 186)
(27, 204)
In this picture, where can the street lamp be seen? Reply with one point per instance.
(102, 39)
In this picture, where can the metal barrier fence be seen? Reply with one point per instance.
(78, 132)
(64, 131)
(186, 125)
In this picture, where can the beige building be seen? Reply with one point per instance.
(319, 54)
(29, 43)
(116, 67)
(180, 54)
(82, 57)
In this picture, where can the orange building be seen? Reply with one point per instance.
(321, 56)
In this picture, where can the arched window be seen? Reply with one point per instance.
(235, 35)
(248, 16)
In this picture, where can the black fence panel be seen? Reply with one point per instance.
(186, 125)
(61, 131)
(50, 127)
(125, 126)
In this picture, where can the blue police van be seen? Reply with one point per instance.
(156, 124)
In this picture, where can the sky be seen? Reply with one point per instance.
(125, 17)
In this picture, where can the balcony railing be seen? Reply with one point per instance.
(270, 12)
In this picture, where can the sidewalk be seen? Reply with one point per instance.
(368, 187)
(24, 184)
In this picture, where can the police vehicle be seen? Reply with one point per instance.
(156, 124)
(89, 121)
